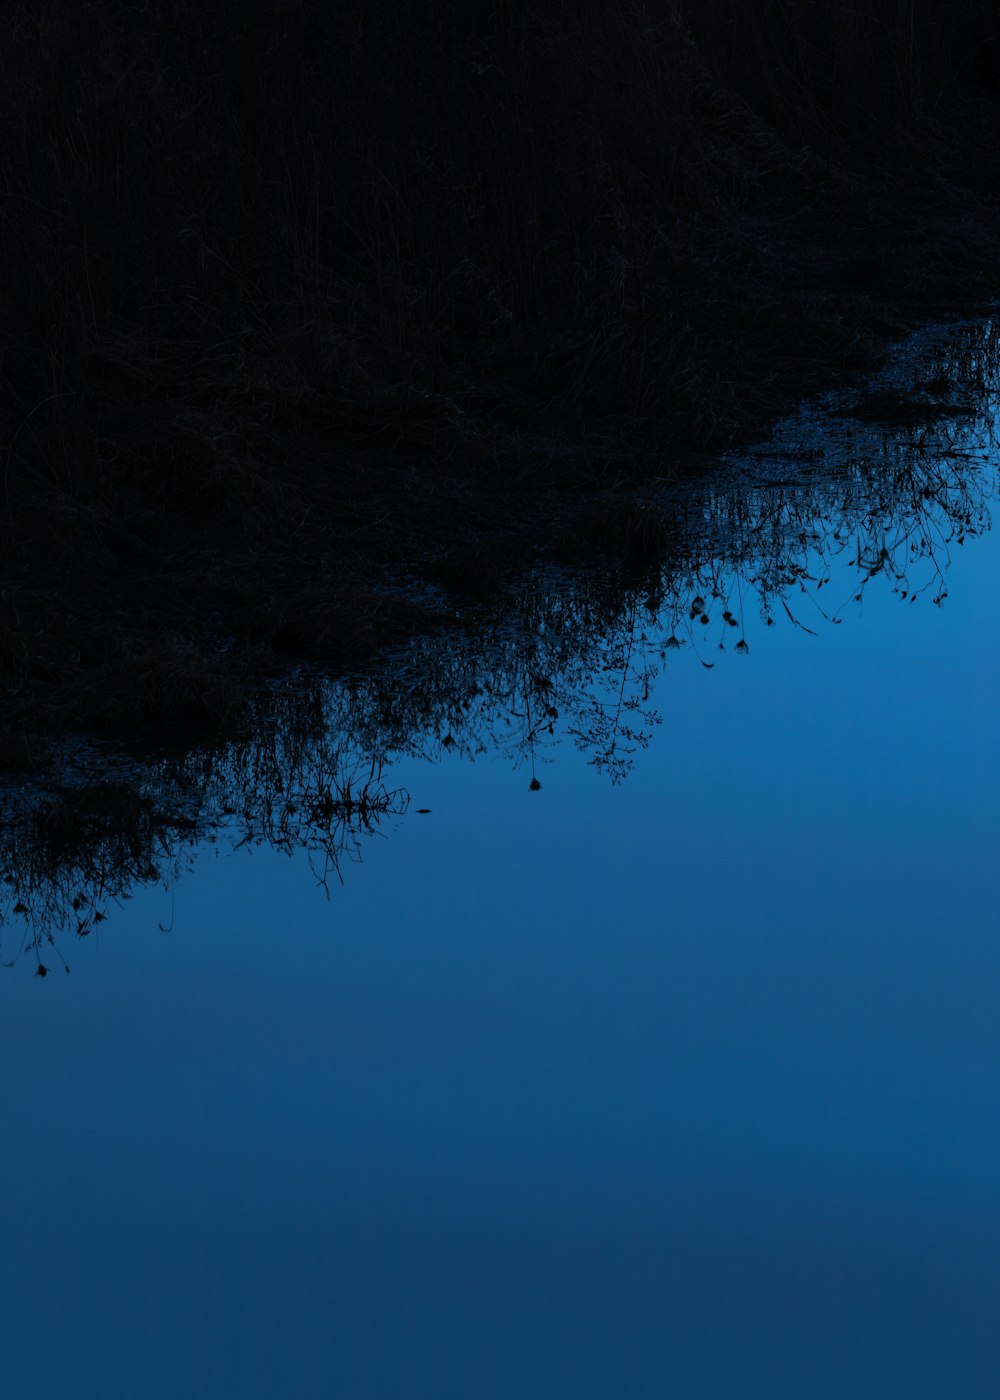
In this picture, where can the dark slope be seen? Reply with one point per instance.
(297, 297)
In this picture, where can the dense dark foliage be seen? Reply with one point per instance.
(295, 293)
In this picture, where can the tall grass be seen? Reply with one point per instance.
(241, 235)
(575, 659)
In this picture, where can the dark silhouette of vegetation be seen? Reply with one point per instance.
(299, 300)
(792, 533)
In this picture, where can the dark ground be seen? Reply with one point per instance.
(303, 308)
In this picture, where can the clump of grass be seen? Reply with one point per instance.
(892, 406)
(479, 568)
(634, 533)
(73, 822)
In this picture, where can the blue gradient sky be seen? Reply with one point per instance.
(688, 1087)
